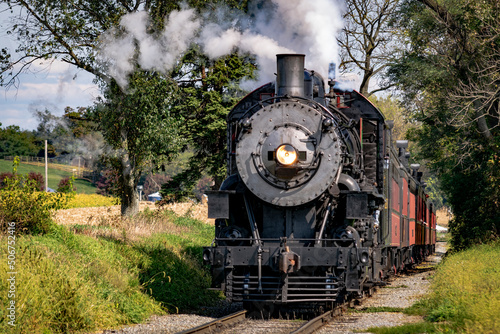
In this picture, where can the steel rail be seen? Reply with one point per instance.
(217, 324)
(314, 324)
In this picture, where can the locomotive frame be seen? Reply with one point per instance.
(319, 205)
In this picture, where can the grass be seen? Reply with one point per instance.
(85, 278)
(55, 175)
(466, 291)
(464, 296)
(419, 327)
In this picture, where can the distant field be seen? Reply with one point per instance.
(55, 175)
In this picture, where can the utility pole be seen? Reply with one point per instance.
(46, 169)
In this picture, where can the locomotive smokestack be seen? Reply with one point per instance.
(290, 75)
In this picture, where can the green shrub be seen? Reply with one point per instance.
(23, 203)
(66, 185)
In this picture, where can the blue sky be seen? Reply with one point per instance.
(51, 86)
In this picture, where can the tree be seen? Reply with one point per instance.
(74, 30)
(450, 79)
(138, 125)
(392, 110)
(153, 182)
(368, 40)
(205, 111)
(17, 142)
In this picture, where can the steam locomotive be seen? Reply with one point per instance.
(319, 206)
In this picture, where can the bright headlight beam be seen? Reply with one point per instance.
(286, 154)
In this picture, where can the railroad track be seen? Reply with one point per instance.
(219, 324)
(238, 323)
(314, 324)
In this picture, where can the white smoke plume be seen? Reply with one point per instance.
(154, 52)
(272, 27)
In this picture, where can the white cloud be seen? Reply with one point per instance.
(54, 86)
(14, 116)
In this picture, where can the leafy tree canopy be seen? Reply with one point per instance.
(205, 112)
(449, 76)
(17, 142)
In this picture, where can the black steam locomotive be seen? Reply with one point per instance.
(318, 205)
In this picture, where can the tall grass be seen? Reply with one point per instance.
(78, 280)
(465, 291)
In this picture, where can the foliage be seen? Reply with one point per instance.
(153, 183)
(22, 202)
(107, 184)
(140, 126)
(4, 177)
(14, 141)
(72, 136)
(465, 291)
(66, 185)
(204, 184)
(450, 81)
(90, 200)
(392, 110)
(37, 180)
(205, 111)
(434, 190)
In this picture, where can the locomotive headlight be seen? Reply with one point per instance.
(286, 154)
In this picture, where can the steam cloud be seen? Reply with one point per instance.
(273, 27)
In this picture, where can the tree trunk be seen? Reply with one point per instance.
(129, 198)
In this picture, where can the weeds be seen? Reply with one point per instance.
(466, 290)
(83, 278)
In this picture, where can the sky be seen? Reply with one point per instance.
(53, 86)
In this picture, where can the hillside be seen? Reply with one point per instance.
(55, 175)
(97, 270)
